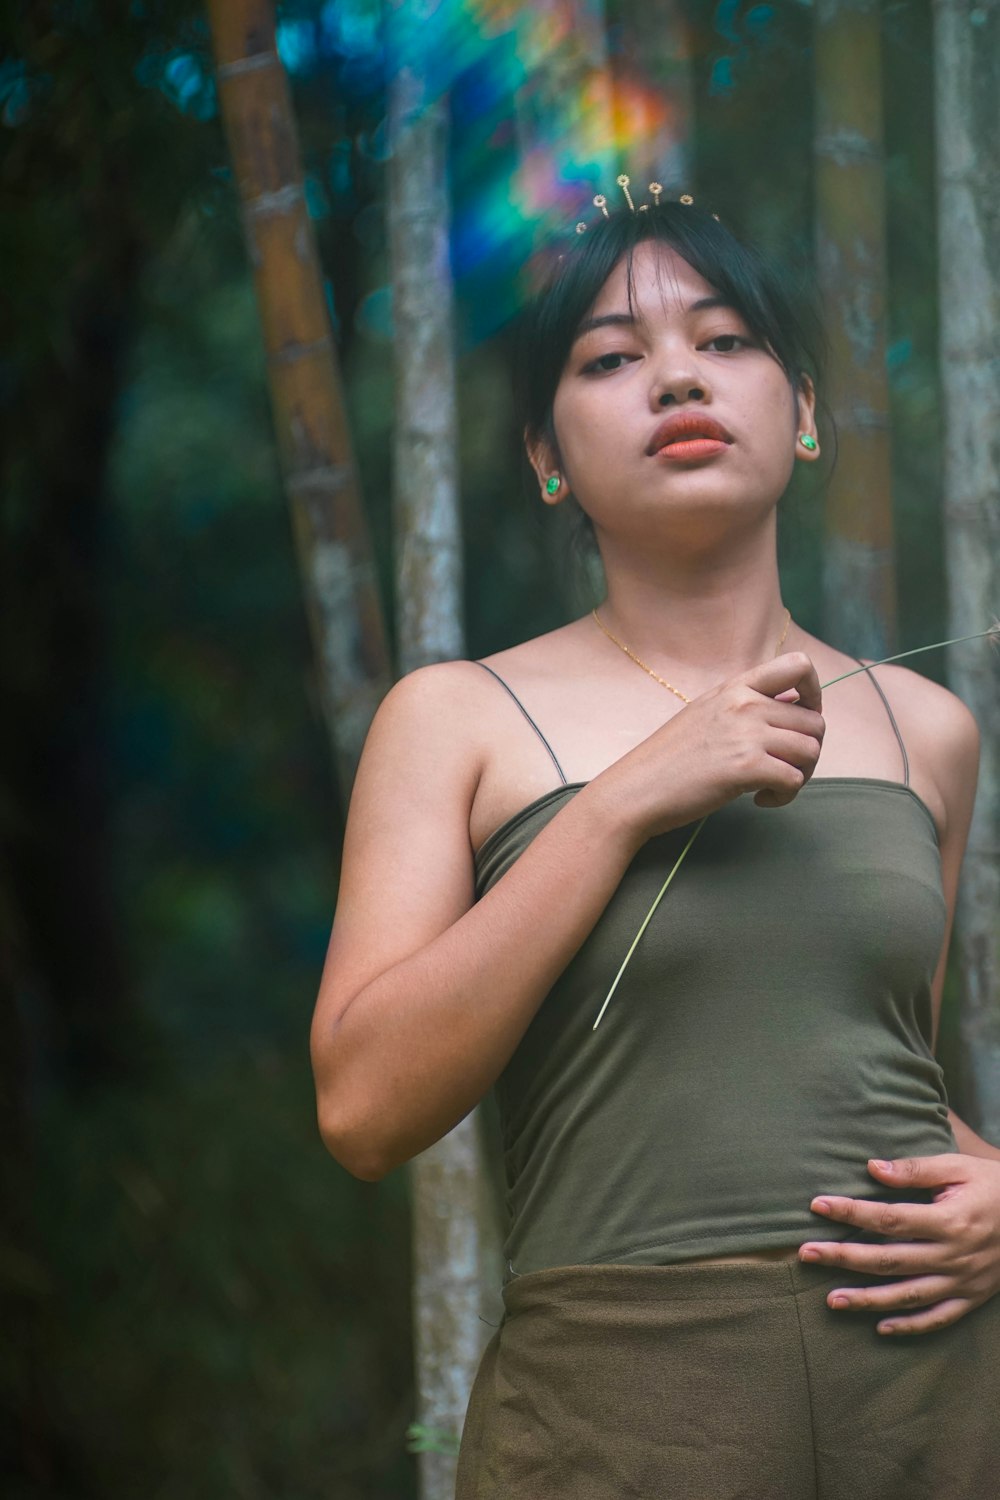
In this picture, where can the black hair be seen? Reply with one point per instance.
(776, 307)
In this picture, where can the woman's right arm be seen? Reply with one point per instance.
(424, 994)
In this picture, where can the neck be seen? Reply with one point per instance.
(707, 617)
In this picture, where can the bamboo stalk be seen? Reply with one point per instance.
(859, 590)
(310, 419)
(967, 75)
(456, 1250)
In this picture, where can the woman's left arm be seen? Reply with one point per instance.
(944, 1255)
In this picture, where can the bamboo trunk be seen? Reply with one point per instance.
(967, 68)
(456, 1250)
(859, 577)
(321, 481)
(426, 521)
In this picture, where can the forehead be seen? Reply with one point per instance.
(661, 281)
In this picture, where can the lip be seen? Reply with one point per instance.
(683, 431)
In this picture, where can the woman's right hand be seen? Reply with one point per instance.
(758, 732)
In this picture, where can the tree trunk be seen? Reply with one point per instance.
(321, 479)
(426, 521)
(859, 577)
(967, 66)
(455, 1244)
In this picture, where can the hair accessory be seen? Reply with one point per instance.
(808, 442)
(552, 484)
(662, 680)
(624, 182)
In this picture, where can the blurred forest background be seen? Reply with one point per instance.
(196, 1301)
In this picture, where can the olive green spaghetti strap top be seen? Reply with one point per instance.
(771, 1033)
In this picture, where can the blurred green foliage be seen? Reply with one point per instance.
(232, 1314)
(208, 1306)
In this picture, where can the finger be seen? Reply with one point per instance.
(793, 670)
(799, 750)
(767, 797)
(922, 1292)
(789, 761)
(784, 782)
(939, 1316)
(896, 1259)
(921, 1171)
(801, 720)
(898, 1221)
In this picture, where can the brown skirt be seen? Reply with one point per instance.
(732, 1382)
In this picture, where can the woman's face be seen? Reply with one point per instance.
(631, 376)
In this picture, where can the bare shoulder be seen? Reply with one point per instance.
(548, 656)
(430, 714)
(441, 727)
(942, 737)
(935, 718)
(431, 688)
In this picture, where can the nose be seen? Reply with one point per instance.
(676, 392)
(675, 382)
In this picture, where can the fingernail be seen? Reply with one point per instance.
(808, 1253)
(837, 1300)
(883, 1166)
(821, 1206)
(887, 1328)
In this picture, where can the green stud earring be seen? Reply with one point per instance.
(808, 442)
(552, 484)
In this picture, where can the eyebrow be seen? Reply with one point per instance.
(627, 320)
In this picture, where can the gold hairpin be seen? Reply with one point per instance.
(624, 182)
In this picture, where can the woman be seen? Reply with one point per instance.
(706, 1265)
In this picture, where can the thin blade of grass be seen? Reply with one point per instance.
(642, 929)
(993, 633)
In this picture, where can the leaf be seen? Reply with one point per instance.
(421, 1439)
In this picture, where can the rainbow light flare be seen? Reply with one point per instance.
(543, 119)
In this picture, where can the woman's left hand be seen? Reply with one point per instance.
(944, 1255)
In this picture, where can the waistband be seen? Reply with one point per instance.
(563, 1285)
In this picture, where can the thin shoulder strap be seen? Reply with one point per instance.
(878, 688)
(530, 720)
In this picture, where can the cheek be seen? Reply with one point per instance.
(771, 417)
(577, 424)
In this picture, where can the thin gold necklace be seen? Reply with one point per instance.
(662, 680)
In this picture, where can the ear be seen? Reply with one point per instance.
(805, 410)
(544, 459)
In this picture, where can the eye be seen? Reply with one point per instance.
(731, 340)
(605, 363)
